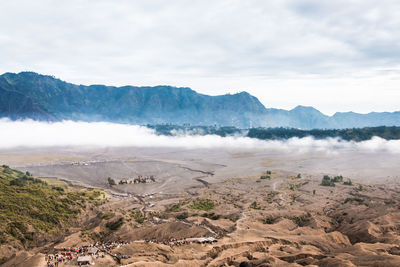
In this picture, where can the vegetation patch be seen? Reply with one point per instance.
(360, 188)
(301, 220)
(348, 182)
(354, 199)
(104, 216)
(29, 206)
(182, 216)
(354, 134)
(176, 207)
(138, 217)
(267, 175)
(270, 220)
(294, 186)
(211, 216)
(115, 225)
(279, 133)
(255, 206)
(202, 204)
(271, 196)
(111, 181)
(338, 179)
(327, 181)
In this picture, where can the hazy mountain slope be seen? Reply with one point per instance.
(15, 105)
(41, 97)
(157, 104)
(299, 117)
(351, 119)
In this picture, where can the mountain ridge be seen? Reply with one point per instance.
(43, 97)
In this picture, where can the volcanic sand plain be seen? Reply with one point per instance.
(283, 220)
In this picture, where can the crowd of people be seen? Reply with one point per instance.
(185, 241)
(70, 254)
(169, 242)
(100, 249)
(56, 259)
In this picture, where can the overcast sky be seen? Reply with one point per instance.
(333, 55)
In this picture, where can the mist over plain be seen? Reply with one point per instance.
(29, 133)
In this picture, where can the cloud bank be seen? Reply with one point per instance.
(30, 133)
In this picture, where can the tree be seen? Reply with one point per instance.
(349, 182)
(338, 179)
(327, 181)
(111, 181)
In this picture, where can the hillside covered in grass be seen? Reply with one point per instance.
(33, 212)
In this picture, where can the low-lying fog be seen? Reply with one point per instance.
(30, 133)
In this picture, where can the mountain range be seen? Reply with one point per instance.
(41, 97)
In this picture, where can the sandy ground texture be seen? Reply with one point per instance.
(282, 220)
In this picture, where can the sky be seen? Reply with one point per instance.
(332, 55)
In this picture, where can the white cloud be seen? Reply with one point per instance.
(214, 46)
(67, 133)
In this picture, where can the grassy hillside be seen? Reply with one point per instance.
(31, 208)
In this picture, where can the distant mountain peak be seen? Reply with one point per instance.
(308, 108)
(43, 97)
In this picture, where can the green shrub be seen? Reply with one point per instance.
(255, 205)
(270, 220)
(202, 204)
(301, 220)
(327, 181)
(138, 217)
(58, 188)
(211, 216)
(104, 216)
(115, 225)
(348, 182)
(111, 181)
(175, 207)
(182, 216)
(338, 179)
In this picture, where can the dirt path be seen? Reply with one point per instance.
(240, 222)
